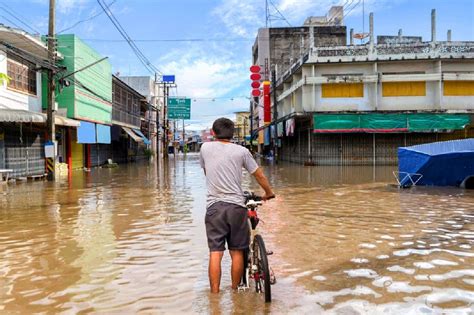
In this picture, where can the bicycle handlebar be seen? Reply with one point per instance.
(252, 196)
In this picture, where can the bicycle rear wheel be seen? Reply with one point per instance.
(262, 274)
(244, 282)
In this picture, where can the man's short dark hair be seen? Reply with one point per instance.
(223, 128)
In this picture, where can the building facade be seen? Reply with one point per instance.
(356, 104)
(22, 122)
(128, 139)
(276, 49)
(242, 127)
(153, 93)
(87, 99)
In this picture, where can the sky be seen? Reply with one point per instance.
(207, 43)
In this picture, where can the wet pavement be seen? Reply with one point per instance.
(132, 240)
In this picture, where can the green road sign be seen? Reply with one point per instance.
(179, 108)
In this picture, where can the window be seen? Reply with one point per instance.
(342, 90)
(395, 89)
(22, 74)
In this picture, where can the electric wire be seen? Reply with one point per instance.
(10, 21)
(91, 17)
(18, 17)
(172, 40)
(143, 59)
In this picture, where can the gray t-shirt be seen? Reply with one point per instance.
(223, 163)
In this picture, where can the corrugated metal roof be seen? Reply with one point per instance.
(26, 116)
(24, 41)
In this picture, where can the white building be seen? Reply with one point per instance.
(355, 104)
(153, 120)
(22, 123)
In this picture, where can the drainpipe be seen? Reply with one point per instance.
(433, 25)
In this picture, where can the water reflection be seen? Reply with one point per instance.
(132, 240)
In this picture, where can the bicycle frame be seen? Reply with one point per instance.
(250, 266)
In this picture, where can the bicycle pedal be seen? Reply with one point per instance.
(269, 252)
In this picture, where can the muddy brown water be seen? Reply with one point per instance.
(132, 240)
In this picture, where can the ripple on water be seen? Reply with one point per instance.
(342, 244)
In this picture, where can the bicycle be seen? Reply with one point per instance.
(256, 265)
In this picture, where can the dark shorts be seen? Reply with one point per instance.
(227, 222)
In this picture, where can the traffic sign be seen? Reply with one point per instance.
(168, 79)
(179, 108)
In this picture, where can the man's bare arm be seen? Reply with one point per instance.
(263, 182)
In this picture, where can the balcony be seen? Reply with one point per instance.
(120, 116)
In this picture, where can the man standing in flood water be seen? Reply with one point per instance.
(226, 215)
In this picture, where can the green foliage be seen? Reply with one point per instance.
(4, 78)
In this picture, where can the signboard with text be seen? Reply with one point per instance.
(179, 108)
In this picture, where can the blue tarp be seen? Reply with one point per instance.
(446, 163)
(103, 134)
(145, 139)
(86, 132)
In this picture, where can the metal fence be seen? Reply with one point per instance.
(355, 148)
(24, 151)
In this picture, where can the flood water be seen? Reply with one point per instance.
(132, 240)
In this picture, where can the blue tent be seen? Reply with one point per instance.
(449, 163)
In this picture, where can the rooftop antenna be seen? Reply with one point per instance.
(363, 19)
(267, 14)
(276, 15)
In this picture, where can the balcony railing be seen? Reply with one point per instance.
(126, 118)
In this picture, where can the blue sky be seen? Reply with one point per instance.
(217, 68)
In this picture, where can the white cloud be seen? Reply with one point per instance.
(244, 17)
(67, 6)
(241, 17)
(210, 76)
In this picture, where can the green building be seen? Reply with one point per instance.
(88, 98)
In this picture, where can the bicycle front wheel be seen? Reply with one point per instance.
(262, 273)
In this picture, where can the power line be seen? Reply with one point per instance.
(143, 59)
(172, 40)
(18, 17)
(86, 19)
(10, 21)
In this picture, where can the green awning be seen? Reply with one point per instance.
(383, 121)
(336, 121)
(430, 122)
(378, 122)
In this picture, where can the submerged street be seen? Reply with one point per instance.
(131, 239)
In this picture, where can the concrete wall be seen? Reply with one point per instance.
(11, 99)
(303, 90)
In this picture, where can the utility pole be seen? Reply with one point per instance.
(165, 121)
(275, 115)
(51, 162)
(175, 127)
(157, 120)
(184, 140)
